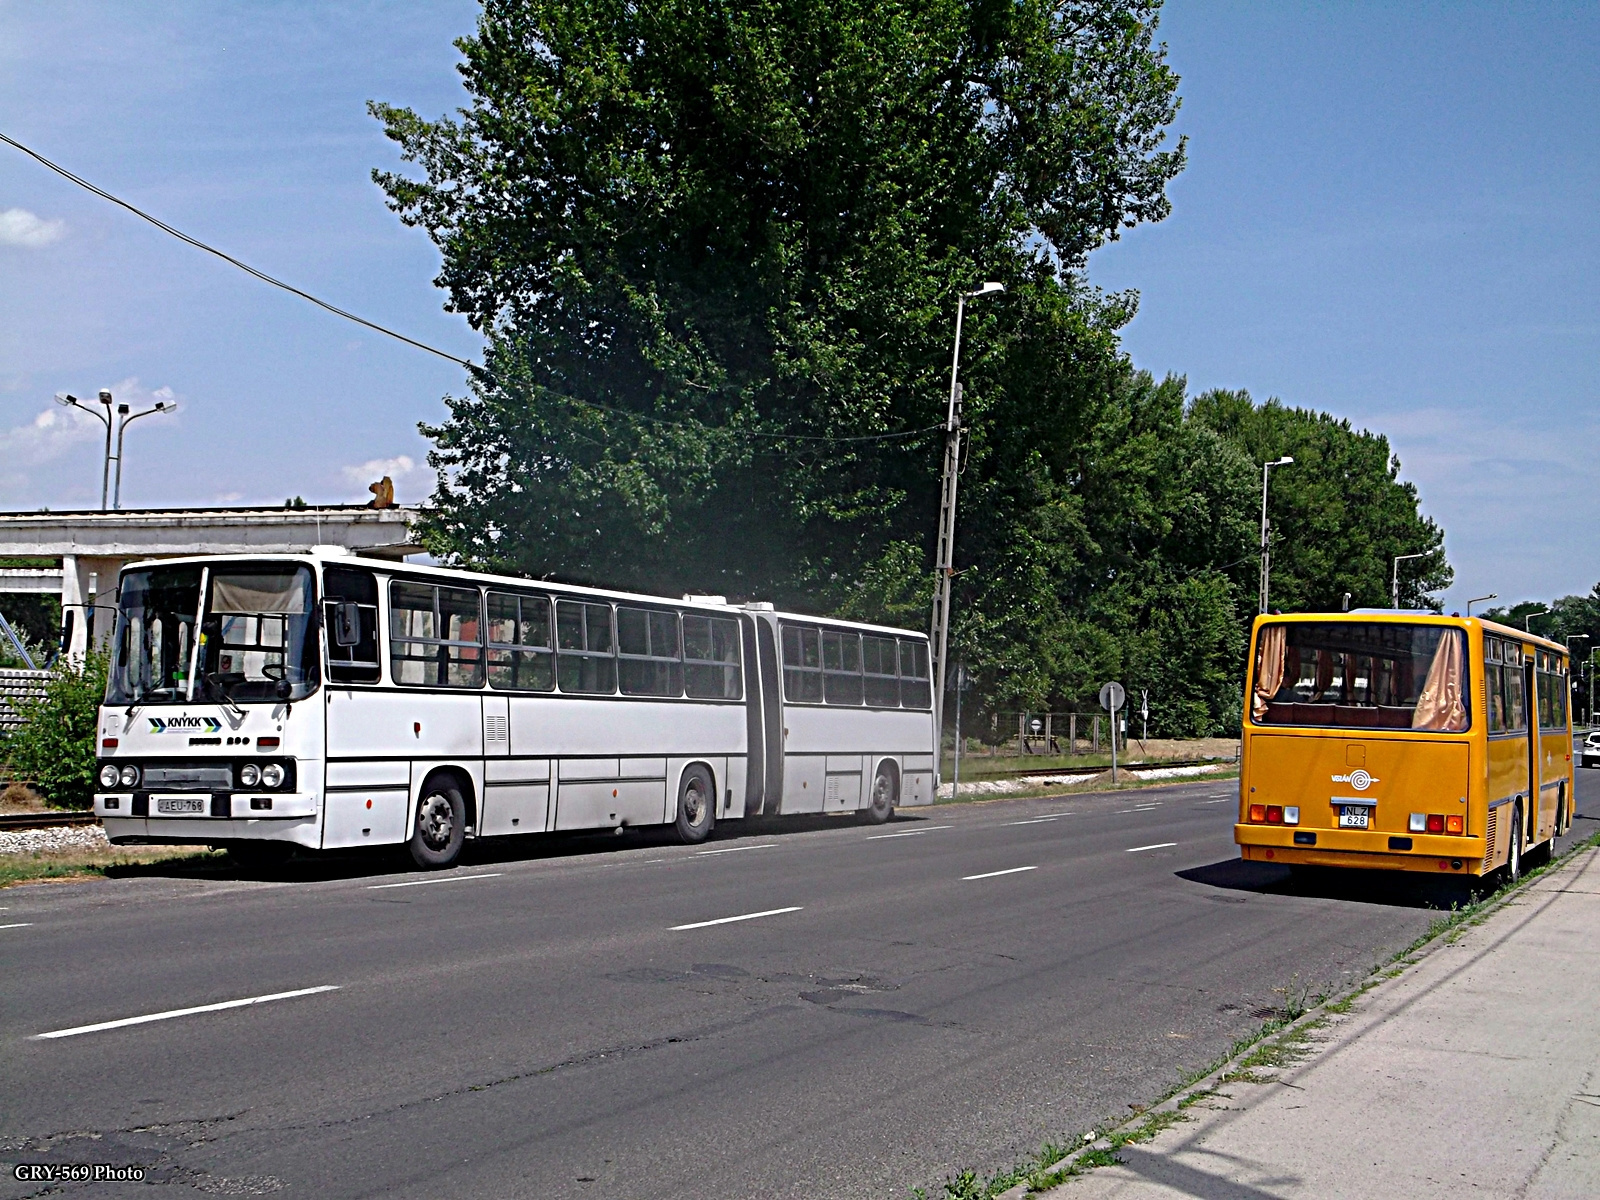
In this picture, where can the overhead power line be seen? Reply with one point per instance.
(410, 341)
(228, 258)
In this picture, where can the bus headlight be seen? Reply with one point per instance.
(108, 776)
(249, 775)
(271, 775)
(130, 777)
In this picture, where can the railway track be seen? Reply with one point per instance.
(15, 821)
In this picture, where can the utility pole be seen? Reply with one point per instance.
(1266, 546)
(944, 554)
(955, 780)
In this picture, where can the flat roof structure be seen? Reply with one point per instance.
(90, 547)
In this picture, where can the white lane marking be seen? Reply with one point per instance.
(378, 887)
(771, 912)
(186, 1012)
(992, 874)
(18, 925)
(731, 849)
(1224, 800)
(1031, 821)
(909, 832)
(1157, 846)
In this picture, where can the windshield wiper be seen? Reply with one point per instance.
(215, 681)
(141, 698)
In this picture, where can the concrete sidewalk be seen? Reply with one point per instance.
(1475, 1072)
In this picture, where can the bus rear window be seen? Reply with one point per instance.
(1361, 674)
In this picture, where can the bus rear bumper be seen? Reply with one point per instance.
(1372, 851)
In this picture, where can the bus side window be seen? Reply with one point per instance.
(521, 655)
(711, 668)
(878, 656)
(352, 651)
(649, 659)
(802, 664)
(841, 666)
(1516, 708)
(435, 635)
(915, 690)
(585, 658)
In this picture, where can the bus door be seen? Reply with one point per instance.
(755, 774)
(1535, 820)
(771, 712)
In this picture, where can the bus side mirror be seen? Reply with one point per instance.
(347, 624)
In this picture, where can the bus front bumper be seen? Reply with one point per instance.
(138, 817)
(1455, 855)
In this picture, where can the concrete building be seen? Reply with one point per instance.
(88, 549)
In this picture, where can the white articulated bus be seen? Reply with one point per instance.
(328, 701)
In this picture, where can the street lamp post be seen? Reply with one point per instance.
(1573, 637)
(1527, 618)
(1266, 548)
(125, 418)
(1395, 582)
(944, 555)
(1479, 599)
(71, 401)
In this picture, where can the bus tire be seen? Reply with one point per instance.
(1513, 867)
(885, 792)
(697, 806)
(440, 826)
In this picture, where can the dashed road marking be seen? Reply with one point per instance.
(1157, 846)
(731, 849)
(17, 925)
(771, 912)
(908, 833)
(185, 1012)
(378, 887)
(992, 874)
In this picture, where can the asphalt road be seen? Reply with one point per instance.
(942, 993)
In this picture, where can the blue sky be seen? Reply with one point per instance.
(1389, 214)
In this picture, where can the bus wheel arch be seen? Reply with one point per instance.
(695, 814)
(885, 792)
(444, 811)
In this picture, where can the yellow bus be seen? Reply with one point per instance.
(1403, 741)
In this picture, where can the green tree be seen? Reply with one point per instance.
(707, 242)
(54, 749)
(1340, 514)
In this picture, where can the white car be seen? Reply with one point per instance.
(1589, 752)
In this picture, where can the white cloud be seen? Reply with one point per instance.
(371, 471)
(19, 227)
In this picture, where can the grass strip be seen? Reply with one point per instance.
(61, 865)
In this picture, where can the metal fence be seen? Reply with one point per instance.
(1042, 732)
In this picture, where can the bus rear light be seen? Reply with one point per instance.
(1457, 824)
(1291, 814)
(266, 743)
(1435, 822)
(1418, 823)
(1258, 812)
(1274, 814)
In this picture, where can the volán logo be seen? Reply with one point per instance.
(184, 724)
(1359, 780)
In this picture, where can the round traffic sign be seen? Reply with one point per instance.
(1112, 696)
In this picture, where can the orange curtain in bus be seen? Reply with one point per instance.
(1269, 670)
(1441, 706)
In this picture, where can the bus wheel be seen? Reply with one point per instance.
(1514, 853)
(696, 806)
(441, 826)
(883, 796)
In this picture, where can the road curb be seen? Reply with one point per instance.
(1179, 1099)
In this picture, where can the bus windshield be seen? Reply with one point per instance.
(254, 640)
(1361, 673)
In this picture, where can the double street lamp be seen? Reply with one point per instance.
(125, 416)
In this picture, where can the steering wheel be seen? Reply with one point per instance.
(276, 672)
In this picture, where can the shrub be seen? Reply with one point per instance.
(54, 748)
